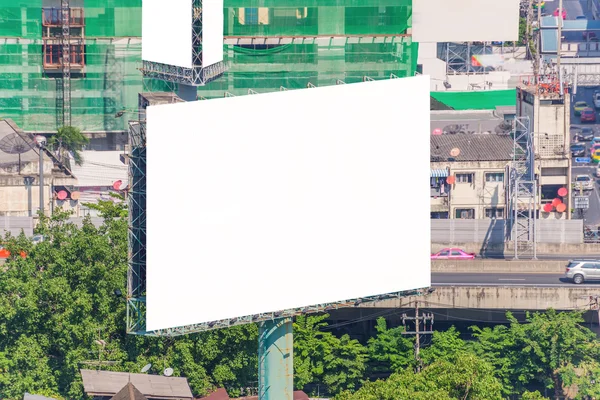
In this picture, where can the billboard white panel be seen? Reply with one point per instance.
(167, 32)
(212, 32)
(274, 201)
(465, 20)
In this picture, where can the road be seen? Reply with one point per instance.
(546, 257)
(574, 8)
(508, 279)
(592, 215)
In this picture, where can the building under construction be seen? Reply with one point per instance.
(269, 45)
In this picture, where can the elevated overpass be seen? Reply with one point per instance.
(482, 291)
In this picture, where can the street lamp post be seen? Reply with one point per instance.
(41, 142)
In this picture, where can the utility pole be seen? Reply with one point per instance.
(595, 305)
(417, 332)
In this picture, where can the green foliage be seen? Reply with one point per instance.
(110, 209)
(390, 350)
(466, 378)
(527, 395)
(339, 363)
(446, 345)
(68, 139)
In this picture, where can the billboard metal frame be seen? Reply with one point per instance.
(199, 74)
(136, 274)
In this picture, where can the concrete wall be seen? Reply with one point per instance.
(491, 232)
(504, 298)
(575, 250)
(14, 225)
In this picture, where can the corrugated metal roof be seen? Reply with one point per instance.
(473, 147)
(219, 394)
(108, 383)
(100, 168)
(36, 397)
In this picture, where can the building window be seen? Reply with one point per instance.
(251, 16)
(494, 177)
(464, 178)
(494, 213)
(464, 213)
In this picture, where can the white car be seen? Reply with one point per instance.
(583, 182)
(596, 100)
(598, 172)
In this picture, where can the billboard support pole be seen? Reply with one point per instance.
(276, 360)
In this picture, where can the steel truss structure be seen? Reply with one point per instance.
(198, 75)
(523, 191)
(458, 57)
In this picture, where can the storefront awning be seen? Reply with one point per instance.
(439, 173)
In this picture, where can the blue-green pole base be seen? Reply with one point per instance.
(276, 360)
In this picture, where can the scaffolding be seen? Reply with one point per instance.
(523, 191)
(267, 44)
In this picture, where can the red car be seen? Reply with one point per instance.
(588, 115)
(557, 12)
(452, 253)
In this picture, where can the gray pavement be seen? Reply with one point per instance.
(508, 279)
(592, 215)
(546, 257)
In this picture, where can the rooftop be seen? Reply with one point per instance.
(473, 147)
(474, 121)
(108, 383)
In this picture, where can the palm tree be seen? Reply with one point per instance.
(68, 141)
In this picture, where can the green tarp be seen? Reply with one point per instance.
(480, 100)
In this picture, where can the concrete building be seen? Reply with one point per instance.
(549, 116)
(19, 174)
(469, 174)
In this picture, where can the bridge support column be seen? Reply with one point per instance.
(276, 360)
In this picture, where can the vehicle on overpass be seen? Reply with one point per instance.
(578, 271)
(588, 115)
(579, 107)
(578, 150)
(583, 182)
(452, 253)
(583, 134)
(557, 12)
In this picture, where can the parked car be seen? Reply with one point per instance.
(579, 107)
(583, 134)
(583, 182)
(452, 253)
(4, 253)
(596, 156)
(588, 115)
(578, 150)
(557, 12)
(598, 172)
(579, 271)
(595, 140)
(594, 147)
(596, 100)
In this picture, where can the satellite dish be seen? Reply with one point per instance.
(455, 152)
(117, 184)
(146, 368)
(168, 372)
(16, 144)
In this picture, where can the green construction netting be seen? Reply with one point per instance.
(112, 80)
(480, 100)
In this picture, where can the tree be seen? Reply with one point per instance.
(322, 358)
(389, 350)
(445, 345)
(68, 140)
(466, 378)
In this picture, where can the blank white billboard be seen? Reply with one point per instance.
(275, 201)
(212, 32)
(167, 32)
(465, 20)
